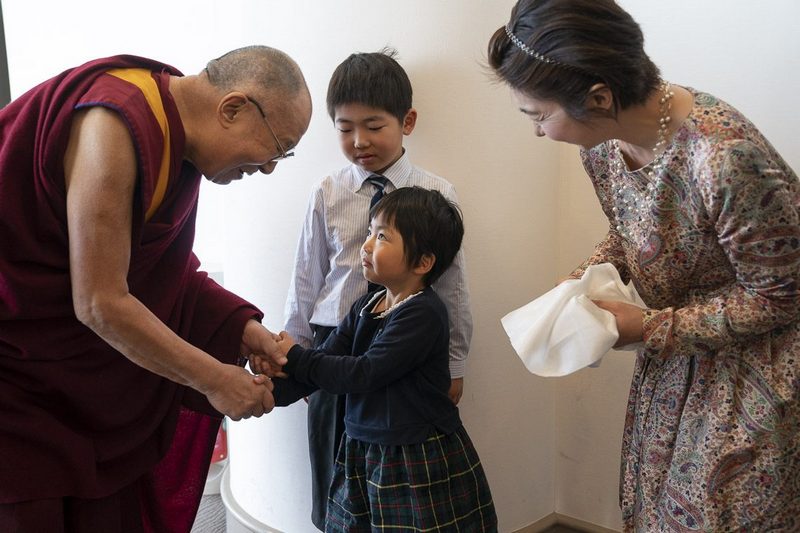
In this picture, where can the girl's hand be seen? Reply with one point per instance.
(285, 343)
(260, 346)
(629, 320)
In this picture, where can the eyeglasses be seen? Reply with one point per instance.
(284, 154)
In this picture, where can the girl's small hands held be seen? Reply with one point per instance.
(285, 343)
(256, 363)
(260, 346)
(264, 379)
(629, 320)
(261, 365)
(276, 371)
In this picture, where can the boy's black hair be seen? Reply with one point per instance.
(372, 79)
(429, 224)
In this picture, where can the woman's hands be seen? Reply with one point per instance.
(629, 320)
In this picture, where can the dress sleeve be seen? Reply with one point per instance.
(753, 205)
(610, 249)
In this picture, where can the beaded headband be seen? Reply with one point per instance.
(528, 50)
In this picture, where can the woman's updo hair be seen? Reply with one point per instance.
(561, 48)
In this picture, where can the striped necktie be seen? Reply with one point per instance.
(380, 183)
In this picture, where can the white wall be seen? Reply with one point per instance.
(747, 53)
(530, 212)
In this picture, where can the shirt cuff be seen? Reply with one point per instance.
(457, 368)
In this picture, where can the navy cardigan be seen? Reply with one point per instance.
(394, 370)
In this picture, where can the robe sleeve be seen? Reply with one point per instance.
(217, 321)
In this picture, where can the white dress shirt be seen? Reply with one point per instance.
(327, 275)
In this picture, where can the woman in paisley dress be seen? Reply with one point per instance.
(704, 220)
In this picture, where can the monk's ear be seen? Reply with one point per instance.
(230, 106)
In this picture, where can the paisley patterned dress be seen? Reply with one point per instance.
(711, 241)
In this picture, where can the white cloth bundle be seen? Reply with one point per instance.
(563, 330)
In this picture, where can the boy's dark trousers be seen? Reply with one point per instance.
(325, 429)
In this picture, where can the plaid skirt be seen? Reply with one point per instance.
(436, 485)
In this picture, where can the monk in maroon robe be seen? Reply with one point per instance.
(117, 357)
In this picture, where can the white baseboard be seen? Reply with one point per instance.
(559, 519)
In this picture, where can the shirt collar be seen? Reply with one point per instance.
(397, 174)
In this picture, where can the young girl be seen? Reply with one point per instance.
(405, 462)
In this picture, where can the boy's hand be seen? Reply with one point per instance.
(456, 390)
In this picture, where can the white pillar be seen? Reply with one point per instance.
(267, 486)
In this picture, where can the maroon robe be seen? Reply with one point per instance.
(78, 418)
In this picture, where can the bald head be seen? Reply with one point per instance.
(270, 76)
(242, 111)
(264, 67)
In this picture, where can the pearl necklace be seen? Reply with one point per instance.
(636, 203)
(394, 306)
